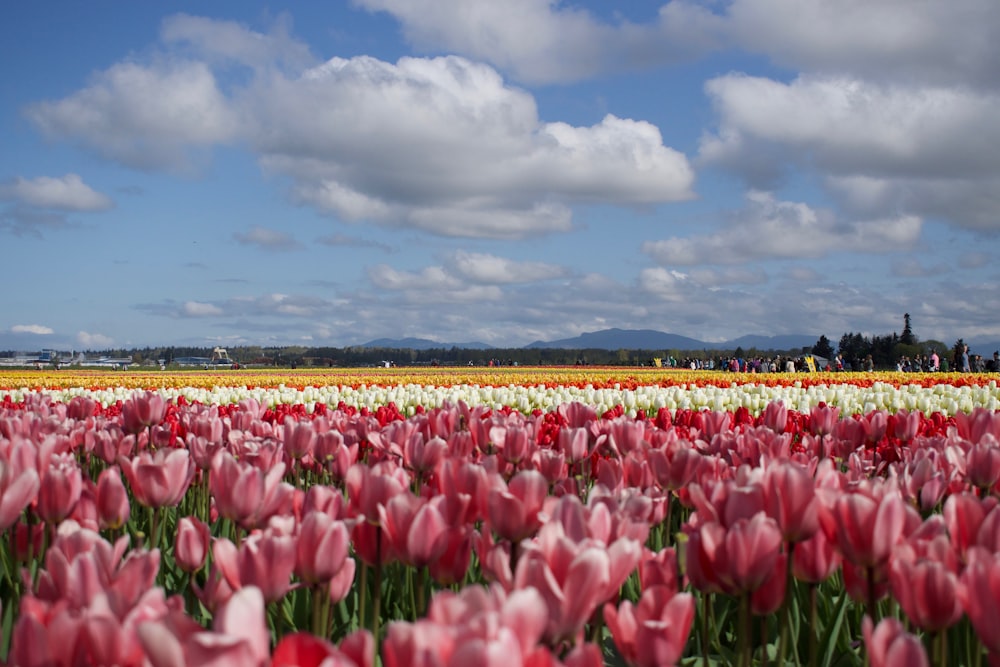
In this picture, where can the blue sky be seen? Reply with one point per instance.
(319, 173)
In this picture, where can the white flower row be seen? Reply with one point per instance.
(851, 399)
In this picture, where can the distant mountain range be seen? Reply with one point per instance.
(421, 344)
(618, 339)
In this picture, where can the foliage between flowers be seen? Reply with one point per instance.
(150, 531)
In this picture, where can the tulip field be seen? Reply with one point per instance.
(501, 517)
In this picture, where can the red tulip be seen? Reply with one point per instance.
(113, 507)
(301, 649)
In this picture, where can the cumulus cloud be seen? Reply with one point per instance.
(444, 145)
(773, 229)
(148, 116)
(538, 41)
(66, 193)
(34, 329)
(269, 239)
(884, 147)
(440, 144)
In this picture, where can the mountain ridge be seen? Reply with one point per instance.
(617, 339)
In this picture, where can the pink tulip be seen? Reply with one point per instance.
(60, 489)
(264, 560)
(823, 419)
(980, 596)
(113, 507)
(143, 410)
(299, 438)
(246, 494)
(775, 416)
(974, 426)
(513, 514)
(866, 529)
(963, 514)
(790, 499)
(926, 590)
(982, 463)
(815, 560)
(18, 488)
(889, 645)
(420, 644)
(654, 632)
(160, 479)
(191, 543)
(321, 548)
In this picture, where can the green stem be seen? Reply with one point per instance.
(813, 643)
(786, 605)
(745, 630)
(377, 602)
(363, 593)
(706, 600)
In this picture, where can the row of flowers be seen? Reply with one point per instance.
(164, 531)
(850, 398)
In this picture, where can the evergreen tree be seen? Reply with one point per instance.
(907, 338)
(823, 348)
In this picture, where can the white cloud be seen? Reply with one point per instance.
(267, 238)
(35, 329)
(884, 149)
(66, 193)
(439, 144)
(490, 269)
(538, 41)
(850, 125)
(445, 146)
(94, 340)
(432, 284)
(145, 116)
(914, 40)
(772, 229)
